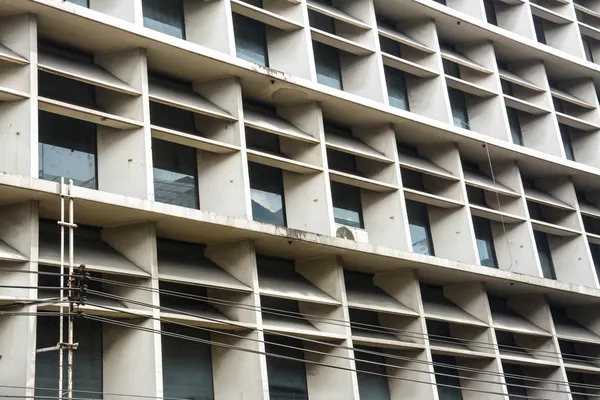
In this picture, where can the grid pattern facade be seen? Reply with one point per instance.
(404, 195)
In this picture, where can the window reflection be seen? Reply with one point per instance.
(67, 148)
(420, 234)
(175, 174)
(266, 191)
(250, 40)
(347, 207)
(327, 62)
(164, 16)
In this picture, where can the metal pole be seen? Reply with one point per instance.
(70, 349)
(62, 295)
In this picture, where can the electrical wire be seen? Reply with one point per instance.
(220, 321)
(338, 322)
(393, 356)
(325, 353)
(289, 358)
(137, 396)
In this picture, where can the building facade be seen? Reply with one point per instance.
(303, 199)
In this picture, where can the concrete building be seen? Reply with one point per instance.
(405, 193)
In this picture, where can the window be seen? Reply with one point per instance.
(515, 126)
(543, 248)
(266, 191)
(515, 372)
(576, 381)
(476, 196)
(250, 40)
(66, 90)
(287, 378)
(595, 249)
(164, 16)
(327, 62)
(347, 207)
(390, 46)
(535, 210)
(587, 47)
(321, 21)
(538, 25)
(507, 88)
(370, 386)
(443, 2)
(340, 161)
(396, 86)
(412, 179)
(485, 242)
(187, 365)
(451, 68)
(567, 144)
(458, 104)
(87, 376)
(451, 389)
(490, 12)
(175, 174)
(67, 148)
(262, 141)
(420, 233)
(82, 3)
(591, 224)
(172, 118)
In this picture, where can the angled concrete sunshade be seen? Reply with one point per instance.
(7, 253)
(517, 80)
(438, 307)
(191, 140)
(273, 124)
(354, 146)
(408, 66)
(484, 182)
(283, 163)
(456, 57)
(340, 43)
(536, 195)
(431, 199)
(404, 39)
(365, 295)
(266, 17)
(523, 105)
(562, 95)
(336, 13)
(575, 122)
(8, 55)
(468, 87)
(288, 284)
(84, 72)
(360, 181)
(508, 320)
(421, 164)
(548, 15)
(186, 100)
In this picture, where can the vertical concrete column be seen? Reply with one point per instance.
(228, 172)
(472, 298)
(488, 115)
(132, 358)
(384, 213)
(535, 309)
(516, 18)
(309, 195)
(571, 255)
(19, 119)
(290, 51)
(473, 8)
(428, 97)
(584, 142)
(19, 230)
(239, 259)
(210, 24)
(451, 229)
(403, 285)
(129, 10)
(364, 76)
(125, 157)
(514, 243)
(325, 383)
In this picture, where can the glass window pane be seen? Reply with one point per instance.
(451, 68)
(347, 207)
(341, 161)
(420, 233)
(490, 12)
(513, 391)
(543, 248)
(567, 144)
(595, 249)
(515, 126)
(476, 196)
(458, 104)
(88, 357)
(396, 85)
(67, 90)
(164, 16)
(587, 47)
(187, 365)
(485, 242)
(538, 24)
(327, 62)
(372, 387)
(262, 141)
(266, 190)
(172, 118)
(390, 46)
(250, 40)
(83, 3)
(412, 179)
(67, 148)
(175, 174)
(321, 21)
(452, 391)
(287, 378)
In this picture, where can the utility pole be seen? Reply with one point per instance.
(74, 284)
